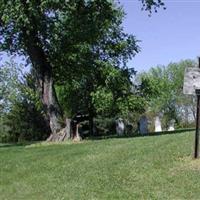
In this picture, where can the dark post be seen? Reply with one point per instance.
(196, 146)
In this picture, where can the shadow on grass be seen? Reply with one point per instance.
(19, 144)
(103, 137)
(139, 135)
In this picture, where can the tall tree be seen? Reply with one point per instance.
(101, 64)
(41, 30)
(49, 32)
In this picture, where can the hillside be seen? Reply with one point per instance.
(156, 167)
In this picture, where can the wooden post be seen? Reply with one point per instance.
(196, 146)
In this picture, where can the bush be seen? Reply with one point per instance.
(25, 122)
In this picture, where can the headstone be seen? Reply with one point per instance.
(171, 125)
(120, 127)
(158, 127)
(191, 80)
(143, 125)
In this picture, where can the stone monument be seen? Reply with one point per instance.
(120, 127)
(143, 125)
(171, 125)
(158, 127)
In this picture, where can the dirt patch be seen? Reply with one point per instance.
(190, 163)
(187, 163)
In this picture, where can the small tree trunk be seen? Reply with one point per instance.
(68, 129)
(91, 125)
(75, 134)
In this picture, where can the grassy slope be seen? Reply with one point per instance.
(157, 167)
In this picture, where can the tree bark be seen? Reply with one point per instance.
(92, 126)
(64, 134)
(92, 130)
(41, 63)
(76, 135)
(45, 83)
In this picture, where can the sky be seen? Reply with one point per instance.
(168, 36)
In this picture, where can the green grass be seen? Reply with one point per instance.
(156, 167)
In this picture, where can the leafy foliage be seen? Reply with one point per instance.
(9, 81)
(150, 5)
(100, 84)
(22, 116)
(164, 84)
(80, 46)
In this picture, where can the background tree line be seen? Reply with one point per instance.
(165, 84)
(115, 92)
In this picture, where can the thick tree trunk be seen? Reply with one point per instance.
(45, 85)
(51, 105)
(40, 61)
(63, 134)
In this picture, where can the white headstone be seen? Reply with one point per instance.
(158, 127)
(143, 125)
(191, 80)
(171, 125)
(120, 127)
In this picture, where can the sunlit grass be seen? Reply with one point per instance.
(156, 167)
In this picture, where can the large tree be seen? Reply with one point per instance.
(47, 32)
(41, 30)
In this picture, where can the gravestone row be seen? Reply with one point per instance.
(143, 125)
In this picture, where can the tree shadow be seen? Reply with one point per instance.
(104, 137)
(136, 135)
(19, 144)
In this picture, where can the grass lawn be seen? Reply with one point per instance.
(156, 167)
